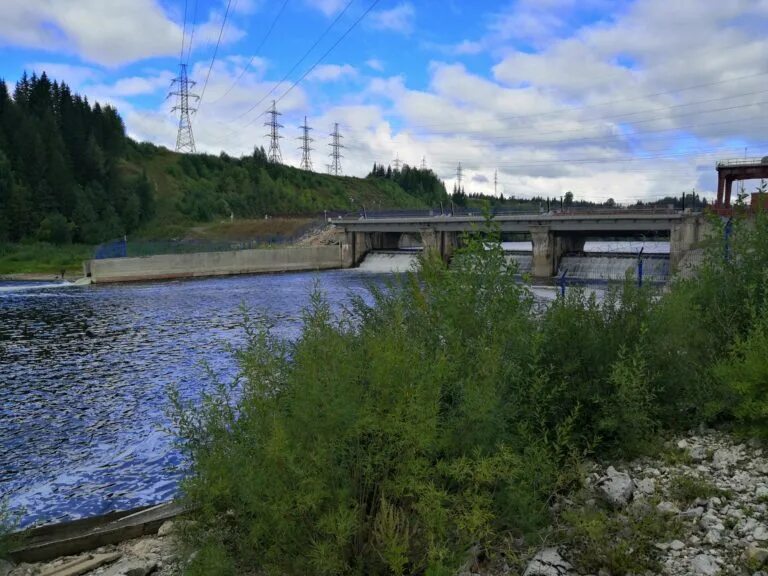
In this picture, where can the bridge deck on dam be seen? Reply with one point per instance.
(616, 222)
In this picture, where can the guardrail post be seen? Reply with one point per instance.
(562, 283)
(727, 238)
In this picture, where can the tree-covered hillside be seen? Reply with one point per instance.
(60, 176)
(69, 173)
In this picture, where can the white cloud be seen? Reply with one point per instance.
(332, 72)
(375, 64)
(108, 33)
(398, 19)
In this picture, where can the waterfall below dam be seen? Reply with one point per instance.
(587, 267)
(601, 268)
(384, 262)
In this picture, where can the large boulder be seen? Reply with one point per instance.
(548, 562)
(616, 487)
(705, 565)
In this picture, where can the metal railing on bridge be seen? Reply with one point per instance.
(736, 162)
(517, 211)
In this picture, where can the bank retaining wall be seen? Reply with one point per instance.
(169, 266)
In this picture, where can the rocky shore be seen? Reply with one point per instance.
(709, 493)
(157, 555)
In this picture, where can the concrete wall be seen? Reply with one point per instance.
(214, 264)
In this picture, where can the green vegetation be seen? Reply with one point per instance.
(685, 489)
(449, 415)
(621, 543)
(61, 178)
(43, 258)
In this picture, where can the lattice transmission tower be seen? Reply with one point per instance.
(423, 163)
(185, 140)
(306, 161)
(274, 154)
(495, 182)
(459, 174)
(335, 166)
(397, 162)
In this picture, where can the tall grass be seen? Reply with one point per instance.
(43, 258)
(447, 416)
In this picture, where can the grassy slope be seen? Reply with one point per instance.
(342, 193)
(40, 258)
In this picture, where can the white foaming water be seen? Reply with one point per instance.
(24, 287)
(613, 268)
(383, 262)
(524, 262)
(603, 246)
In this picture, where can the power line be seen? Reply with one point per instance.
(215, 52)
(256, 50)
(560, 111)
(298, 63)
(192, 34)
(333, 46)
(306, 161)
(326, 53)
(183, 32)
(335, 166)
(274, 136)
(606, 118)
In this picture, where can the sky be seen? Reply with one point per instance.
(623, 99)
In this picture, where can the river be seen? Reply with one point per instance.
(85, 371)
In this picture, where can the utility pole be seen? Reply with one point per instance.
(274, 137)
(397, 162)
(185, 140)
(423, 162)
(306, 161)
(335, 166)
(458, 176)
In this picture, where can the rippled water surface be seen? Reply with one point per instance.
(84, 374)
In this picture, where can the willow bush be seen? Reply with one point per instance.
(446, 416)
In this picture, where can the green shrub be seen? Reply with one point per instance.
(686, 489)
(744, 374)
(448, 415)
(621, 543)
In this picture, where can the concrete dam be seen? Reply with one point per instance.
(559, 242)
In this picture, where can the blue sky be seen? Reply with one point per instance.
(630, 99)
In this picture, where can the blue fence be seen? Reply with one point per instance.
(134, 248)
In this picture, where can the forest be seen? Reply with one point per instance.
(61, 178)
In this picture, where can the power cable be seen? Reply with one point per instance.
(215, 52)
(297, 64)
(608, 103)
(183, 32)
(256, 50)
(192, 35)
(333, 46)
